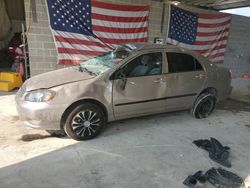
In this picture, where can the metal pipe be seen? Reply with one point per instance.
(24, 52)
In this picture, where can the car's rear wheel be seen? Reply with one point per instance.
(84, 122)
(204, 105)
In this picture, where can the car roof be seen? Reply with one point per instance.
(148, 46)
(152, 46)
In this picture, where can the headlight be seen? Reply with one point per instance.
(41, 95)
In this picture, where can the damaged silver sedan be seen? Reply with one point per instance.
(130, 81)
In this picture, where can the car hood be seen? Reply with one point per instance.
(56, 78)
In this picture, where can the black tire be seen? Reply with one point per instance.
(84, 122)
(204, 105)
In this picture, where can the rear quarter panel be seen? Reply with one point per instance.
(224, 83)
(217, 77)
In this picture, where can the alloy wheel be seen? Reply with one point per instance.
(85, 123)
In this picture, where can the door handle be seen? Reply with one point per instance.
(159, 80)
(133, 83)
(199, 76)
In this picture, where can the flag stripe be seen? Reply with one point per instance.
(77, 51)
(213, 21)
(216, 55)
(79, 41)
(124, 8)
(120, 35)
(210, 42)
(211, 38)
(214, 52)
(212, 33)
(119, 30)
(119, 24)
(68, 62)
(212, 29)
(210, 25)
(212, 49)
(118, 18)
(220, 58)
(82, 47)
(121, 41)
(214, 16)
(196, 47)
(74, 56)
(118, 13)
(74, 35)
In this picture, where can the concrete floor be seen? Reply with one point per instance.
(148, 152)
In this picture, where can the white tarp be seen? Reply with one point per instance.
(5, 23)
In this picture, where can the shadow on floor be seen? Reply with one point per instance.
(32, 137)
(6, 93)
(233, 106)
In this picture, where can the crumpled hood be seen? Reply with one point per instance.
(56, 78)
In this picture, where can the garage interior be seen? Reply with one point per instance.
(12, 20)
(152, 151)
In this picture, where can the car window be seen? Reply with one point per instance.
(144, 65)
(197, 65)
(179, 62)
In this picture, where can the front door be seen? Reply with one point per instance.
(142, 89)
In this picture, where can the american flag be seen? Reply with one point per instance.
(83, 29)
(204, 33)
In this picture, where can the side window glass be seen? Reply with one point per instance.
(179, 62)
(144, 65)
(198, 66)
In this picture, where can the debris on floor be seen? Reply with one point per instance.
(217, 152)
(193, 180)
(219, 178)
(222, 178)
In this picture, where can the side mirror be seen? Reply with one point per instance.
(122, 77)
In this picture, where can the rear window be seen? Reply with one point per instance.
(179, 62)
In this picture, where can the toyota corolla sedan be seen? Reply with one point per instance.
(130, 81)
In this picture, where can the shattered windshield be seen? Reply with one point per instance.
(103, 63)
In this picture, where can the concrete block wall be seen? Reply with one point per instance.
(42, 50)
(43, 55)
(238, 47)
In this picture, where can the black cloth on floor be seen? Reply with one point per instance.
(219, 178)
(191, 181)
(217, 152)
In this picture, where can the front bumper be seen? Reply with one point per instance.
(40, 115)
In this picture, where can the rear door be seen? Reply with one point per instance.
(185, 79)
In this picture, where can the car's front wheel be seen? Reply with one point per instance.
(84, 122)
(204, 105)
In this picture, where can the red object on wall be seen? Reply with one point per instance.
(245, 76)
